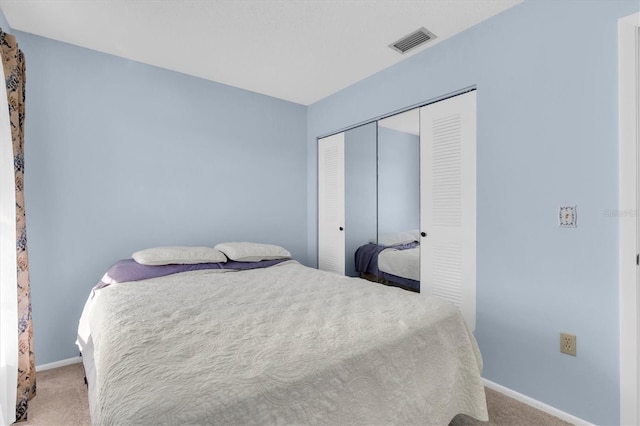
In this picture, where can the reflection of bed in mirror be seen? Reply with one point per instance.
(394, 260)
(393, 257)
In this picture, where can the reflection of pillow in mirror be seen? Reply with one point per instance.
(178, 256)
(252, 252)
(396, 238)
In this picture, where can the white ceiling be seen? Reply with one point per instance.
(298, 50)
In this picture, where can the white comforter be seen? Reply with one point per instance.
(401, 263)
(282, 345)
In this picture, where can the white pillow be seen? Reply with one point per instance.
(178, 256)
(396, 238)
(252, 252)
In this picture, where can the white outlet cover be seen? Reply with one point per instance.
(568, 217)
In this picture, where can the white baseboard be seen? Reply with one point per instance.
(536, 404)
(57, 364)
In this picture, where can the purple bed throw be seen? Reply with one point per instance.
(130, 270)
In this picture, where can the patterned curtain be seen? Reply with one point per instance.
(14, 71)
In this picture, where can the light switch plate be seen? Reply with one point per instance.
(568, 217)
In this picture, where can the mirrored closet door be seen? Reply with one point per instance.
(361, 192)
(404, 211)
(398, 247)
(369, 201)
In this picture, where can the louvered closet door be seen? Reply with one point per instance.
(331, 217)
(448, 202)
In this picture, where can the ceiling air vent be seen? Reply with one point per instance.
(413, 40)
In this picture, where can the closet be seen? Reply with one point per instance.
(402, 189)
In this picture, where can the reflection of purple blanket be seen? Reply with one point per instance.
(366, 256)
(130, 270)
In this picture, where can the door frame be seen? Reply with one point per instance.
(629, 216)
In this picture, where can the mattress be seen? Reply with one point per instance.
(285, 344)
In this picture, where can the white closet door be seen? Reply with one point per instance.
(331, 242)
(448, 202)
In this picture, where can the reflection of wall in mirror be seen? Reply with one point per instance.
(398, 181)
(360, 191)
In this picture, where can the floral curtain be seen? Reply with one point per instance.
(14, 70)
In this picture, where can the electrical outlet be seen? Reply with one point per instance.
(568, 344)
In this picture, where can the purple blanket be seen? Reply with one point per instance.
(130, 270)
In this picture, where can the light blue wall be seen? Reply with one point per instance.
(122, 156)
(398, 181)
(360, 191)
(547, 135)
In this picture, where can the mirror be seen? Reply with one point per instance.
(360, 192)
(399, 200)
(399, 173)
(381, 183)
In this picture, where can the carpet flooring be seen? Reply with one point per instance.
(62, 401)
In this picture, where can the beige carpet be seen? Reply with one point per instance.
(62, 400)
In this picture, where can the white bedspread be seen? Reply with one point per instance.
(281, 345)
(401, 263)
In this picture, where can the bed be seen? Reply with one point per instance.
(396, 265)
(271, 341)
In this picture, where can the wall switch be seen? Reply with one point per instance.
(568, 217)
(568, 344)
